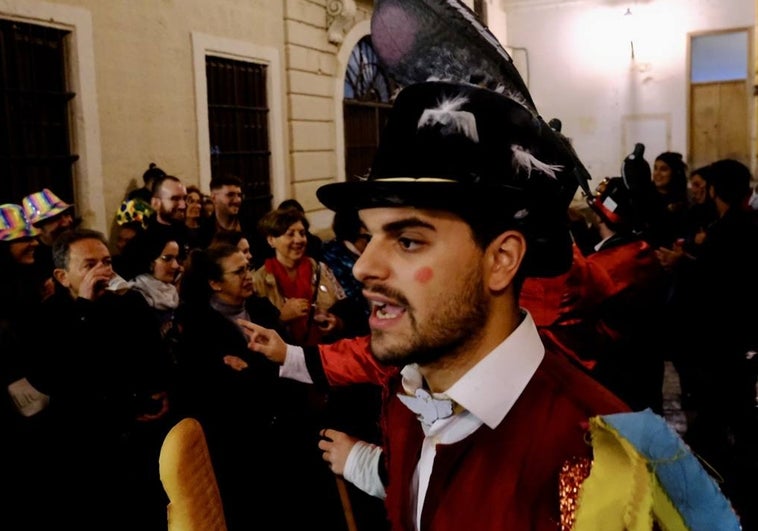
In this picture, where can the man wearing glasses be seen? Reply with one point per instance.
(169, 204)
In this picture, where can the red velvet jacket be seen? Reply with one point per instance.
(506, 478)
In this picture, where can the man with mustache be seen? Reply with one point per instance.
(103, 365)
(484, 426)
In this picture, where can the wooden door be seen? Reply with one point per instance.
(719, 122)
(720, 96)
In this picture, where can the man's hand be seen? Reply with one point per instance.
(95, 281)
(265, 341)
(294, 309)
(336, 446)
(235, 362)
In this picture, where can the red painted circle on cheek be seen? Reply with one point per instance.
(424, 275)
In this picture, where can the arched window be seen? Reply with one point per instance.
(367, 100)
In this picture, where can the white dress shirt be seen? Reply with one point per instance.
(486, 393)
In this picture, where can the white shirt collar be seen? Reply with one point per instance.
(490, 388)
(599, 244)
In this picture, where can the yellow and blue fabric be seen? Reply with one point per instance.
(643, 472)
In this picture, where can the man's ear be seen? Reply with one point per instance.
(155, 204)
(505, 255)
(62, 277)
(270, 240)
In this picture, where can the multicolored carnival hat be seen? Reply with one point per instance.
(465, 137)
(13, 223)
(41, 206)
(133, 211)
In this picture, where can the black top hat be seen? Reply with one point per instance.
(462, 148)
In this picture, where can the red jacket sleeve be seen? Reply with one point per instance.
(349, 361)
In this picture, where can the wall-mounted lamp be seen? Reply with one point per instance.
(628, 23)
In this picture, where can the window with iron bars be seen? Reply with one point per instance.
(35, 140)
(367, 101)
(238, 116)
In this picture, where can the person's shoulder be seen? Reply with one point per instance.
(574, 384)
(59, 298)
(130, 304)
(330, 245)
(141, 193)
(333, 250)
(263, 311)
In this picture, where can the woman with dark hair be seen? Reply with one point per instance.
(145, 192)
(305, 290)
(236, 238)
(194, 218)
(314, 243)
(254, 421)
(156, 274)
(700, 215)
(669, 209)
(24, 421)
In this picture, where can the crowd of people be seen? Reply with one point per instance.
(446, 359)
(107, 344)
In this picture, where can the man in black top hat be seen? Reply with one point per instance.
(467, 195)
(483, 426)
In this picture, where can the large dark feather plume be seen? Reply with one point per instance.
(423, 40)
(419, 40)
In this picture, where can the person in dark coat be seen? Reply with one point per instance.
(718, 302)
(102, 363)
(261, 441)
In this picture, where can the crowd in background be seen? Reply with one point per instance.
(105, 344)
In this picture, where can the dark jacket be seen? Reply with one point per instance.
(100, 361)
(261, 438)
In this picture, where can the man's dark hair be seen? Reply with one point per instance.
(63, 243)
(730, 180)
(346, 225)
(226, 179)
(152, 173)
(292, 203)
(158, 184)
(202, 266)
(231, 237)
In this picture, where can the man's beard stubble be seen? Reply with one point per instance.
(456, 323)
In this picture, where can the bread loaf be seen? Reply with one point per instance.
(188, 478)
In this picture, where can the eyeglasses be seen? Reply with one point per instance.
(242, 271)
(168, 258)
(232, 195)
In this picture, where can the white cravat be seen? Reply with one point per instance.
(487, 392)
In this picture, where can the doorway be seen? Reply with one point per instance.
(720, 97)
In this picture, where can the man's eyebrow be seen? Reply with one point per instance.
(408, 223)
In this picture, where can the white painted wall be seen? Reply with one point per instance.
(581, 70)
